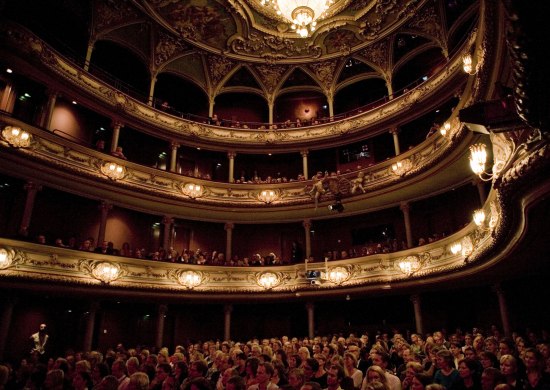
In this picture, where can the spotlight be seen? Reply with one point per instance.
(336, 207)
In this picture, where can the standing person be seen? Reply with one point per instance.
(39, 340)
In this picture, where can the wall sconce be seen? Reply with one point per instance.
(444, 130)
(478, 158)
(480, 218)
(269, 280)
(5, 258)
(456, 247)
(268, 196)
(338, 275)
(468, 64)
(16, 137)
(409, 265)
(106, 272)
(193, 190)
(113, 170)
(401, 167)
(190, 279)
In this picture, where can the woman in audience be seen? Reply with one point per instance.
(469, 375)
(536, 376)
(446, 375)
(488, 359)
(509, 368)
(412, 368)
(420, 381)
(350, 368)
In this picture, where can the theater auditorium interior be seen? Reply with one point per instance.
(173, 171)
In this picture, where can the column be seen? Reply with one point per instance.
(229, 226)
(415, 299)
(405, 208)
(90, 325)
(104, 207)
(212, 102)
(159, 331)
(307, 227)
(32, 189)
(9, 303)
(480, 190)
(7, 100)
(167, 221)
(394, 132)
(89, 52)
(231, 157)
(116, 133)
(174, 156)
(48, 112)
(310, 307)
(271, 106)
(330, 108)
(152, 90)
(227, 309)
(304, 154)
(503, 310)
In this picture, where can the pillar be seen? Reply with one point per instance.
(159, 331)
(227, 309)
(405, 208)
(48, 112)
(271, 106)
(307, 227)
(90, 325)
(116, 134)
(304, 154)
(32, 189)
(480, 190)
(104, 208)
(394, 132)
(330, 108)
(167, 222)
(503, 310)
(229, 226)
(6, 315)
(8, 98)
(89, 52)
(415, 299)
(174, 156)
(211, 104)
(231, 157)
(150, 100)
(310, 307)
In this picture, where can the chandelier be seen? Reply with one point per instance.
(302, 14)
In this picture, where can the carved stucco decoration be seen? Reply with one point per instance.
(273, 48)
(270, 75)
(385, 12)
(218, 68)
(324, 71)
(379, 54)
(428, 21)
(110, 13)
(168, 47)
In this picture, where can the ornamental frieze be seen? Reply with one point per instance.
(167, 47)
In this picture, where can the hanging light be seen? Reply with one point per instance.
(400, 168)
(456, 247)
(301, 14)
(478, 159)
(479, 217)
(445, 128)
(193, 190)
(269, 280)
(106, 272)
(190, 279)
(468, 64)
(338, 275)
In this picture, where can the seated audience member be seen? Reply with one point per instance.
(118, 153)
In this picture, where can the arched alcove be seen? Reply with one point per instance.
(182, 95)
(359, 94)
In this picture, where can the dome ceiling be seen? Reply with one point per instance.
(207, 41)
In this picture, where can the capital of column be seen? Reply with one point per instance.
(405, 207)
(174, 145)
(231, 155)
(306, 223)
(228, 309)
(304, 153)
(105, 206)
(162, 310)
(229, 226)
(94, 307)
(167, 220)
(310, 306)
(32, 186)
(52, 92)
(415, 299)
(394, 131)
(117, 124)
(497, 289)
